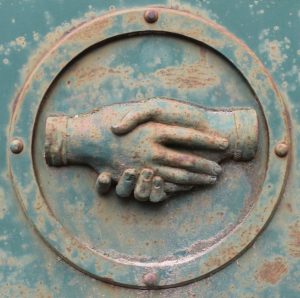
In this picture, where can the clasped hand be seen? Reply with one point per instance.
(151, 148)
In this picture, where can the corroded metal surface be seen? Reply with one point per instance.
(183, 262)
(269, 267)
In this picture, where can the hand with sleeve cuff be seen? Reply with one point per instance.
(159, 146)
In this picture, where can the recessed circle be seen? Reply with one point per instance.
(186, 214)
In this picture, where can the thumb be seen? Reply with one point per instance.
(131, 120)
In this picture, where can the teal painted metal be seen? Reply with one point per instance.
(269, 268)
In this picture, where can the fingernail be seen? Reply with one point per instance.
(147, 174)
(212, 179)
(157, 182)
(217, 169)
(157, 193)
(116, 129)
(130, 174)
(126, 183)
(224, 144)
(103, 183)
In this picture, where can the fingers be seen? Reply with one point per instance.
(187, 161)
(157, 192)
(126, 183)
(190, 137)
(155, 189)
(161, 110)
(144, 185)
(132, 120)
(145, 188)
(103, 183)
(173, 188)
(180, 176)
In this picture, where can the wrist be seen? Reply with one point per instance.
(72, 140)
(55, 141)
(240, 127)
(246, 134)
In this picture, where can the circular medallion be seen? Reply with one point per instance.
(134, 55)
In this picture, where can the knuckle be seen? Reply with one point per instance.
(157, 153)
(210, 165)
(188, 163)
(185, 160)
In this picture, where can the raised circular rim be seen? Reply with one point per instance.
(120, 270)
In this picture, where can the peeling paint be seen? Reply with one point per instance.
(275, 51)
(58, 279)
(294, 240)
(272, 271)
(188, 76)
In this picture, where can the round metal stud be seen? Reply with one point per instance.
(281, 149)
(16, 146)
(150, 279)
(151, 16)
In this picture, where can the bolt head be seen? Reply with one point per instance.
(151, 16)
(16, 146)
(150, 279)
(281, 149)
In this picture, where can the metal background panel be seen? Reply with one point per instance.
(270, 268)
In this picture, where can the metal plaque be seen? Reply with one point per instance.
(149, 147)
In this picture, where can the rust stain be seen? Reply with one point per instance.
(272, 271)
(289, 207)
(294, 240)
(53, 39)
(130, 19)
(189, 76)
(87, 33)
(84, 75)
(21, 290)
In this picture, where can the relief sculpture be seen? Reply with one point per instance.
(152, 149)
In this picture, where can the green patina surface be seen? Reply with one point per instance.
(28, 267)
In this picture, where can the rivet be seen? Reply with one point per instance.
(16, 146)
(281, 149)
(151, 16)
(150, 279)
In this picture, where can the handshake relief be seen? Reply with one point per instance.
(154, 148)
